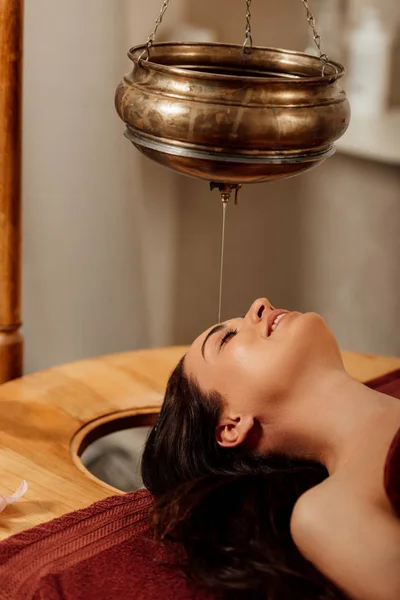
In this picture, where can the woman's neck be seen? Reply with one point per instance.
(328, 418)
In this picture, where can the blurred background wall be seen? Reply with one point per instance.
(99, 222)
(120, 253)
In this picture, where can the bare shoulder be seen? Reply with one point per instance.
(355, 543)
(310, 511)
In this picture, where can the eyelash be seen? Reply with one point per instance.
(230, 333)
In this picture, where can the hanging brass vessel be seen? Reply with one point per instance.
(230, 115)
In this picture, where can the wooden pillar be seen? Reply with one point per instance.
(11, 342)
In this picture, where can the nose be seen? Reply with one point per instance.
(258, 308)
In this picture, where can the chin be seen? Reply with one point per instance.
(314, 318)
(314, 322)
(317, 331)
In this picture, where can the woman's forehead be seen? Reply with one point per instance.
(197, 347)
(198, 342)
(193, 358)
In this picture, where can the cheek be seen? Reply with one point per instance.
(238, 371)
(256, 370)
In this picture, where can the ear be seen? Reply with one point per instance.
(233, 432)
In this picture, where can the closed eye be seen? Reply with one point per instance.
(227, 336)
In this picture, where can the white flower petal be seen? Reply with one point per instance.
(5, 500)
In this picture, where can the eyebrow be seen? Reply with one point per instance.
(209, 334)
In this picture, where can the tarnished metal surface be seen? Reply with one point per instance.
(215, 112)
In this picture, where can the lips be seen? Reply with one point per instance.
(273, 315)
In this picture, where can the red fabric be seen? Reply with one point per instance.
(390, 384)
(392, 474)
(387, 384)
(105, 552)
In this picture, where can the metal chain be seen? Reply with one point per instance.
(317, 38)
(248, 42)
(152, 36)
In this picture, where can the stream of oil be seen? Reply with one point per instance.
(221, 272)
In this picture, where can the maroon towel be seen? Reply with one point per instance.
(387, 384)
(390, 384)
(105, 552)
(392, 474)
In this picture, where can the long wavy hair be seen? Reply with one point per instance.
(229, 508)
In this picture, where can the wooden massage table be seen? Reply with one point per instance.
(48, 418)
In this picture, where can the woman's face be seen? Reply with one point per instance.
(262, 359)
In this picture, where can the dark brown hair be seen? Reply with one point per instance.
(229, 508)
